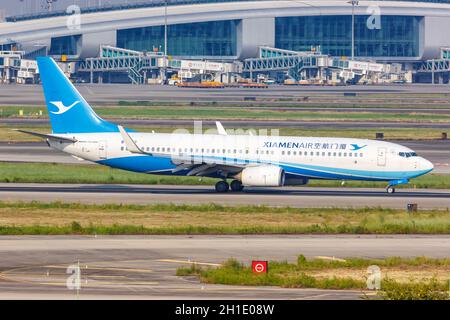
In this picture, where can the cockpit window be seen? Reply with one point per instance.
(407, 154)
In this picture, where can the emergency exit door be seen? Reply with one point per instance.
(381, 159)
(102, 150)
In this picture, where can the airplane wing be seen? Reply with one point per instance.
(197, 165)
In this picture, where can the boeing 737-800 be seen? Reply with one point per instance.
(247, 160)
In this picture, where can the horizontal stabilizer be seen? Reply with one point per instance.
(47, 136)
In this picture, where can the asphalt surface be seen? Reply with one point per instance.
(111, 93)
(144, 267)
(437, 151)
(301, 197)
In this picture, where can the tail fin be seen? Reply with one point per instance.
(68, 111)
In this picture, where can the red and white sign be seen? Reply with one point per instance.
(259, 266)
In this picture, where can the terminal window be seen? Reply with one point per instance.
(213, 38)
(64, 45)
(398, 36)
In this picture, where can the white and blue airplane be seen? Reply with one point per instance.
(247, 160)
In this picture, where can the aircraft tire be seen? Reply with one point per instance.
(236, 186)
(390, 189)
(222, 186)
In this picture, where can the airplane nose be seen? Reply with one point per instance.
(426, 165)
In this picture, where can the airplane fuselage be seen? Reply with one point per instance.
(303, 157)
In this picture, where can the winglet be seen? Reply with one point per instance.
(129, 142)
(221, 129)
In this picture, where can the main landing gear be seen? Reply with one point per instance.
(223, 186)
(236, 186)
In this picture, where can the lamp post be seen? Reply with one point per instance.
(165, 39)
(353, 3)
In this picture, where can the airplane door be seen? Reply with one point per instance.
(102, 150)
(381, 158)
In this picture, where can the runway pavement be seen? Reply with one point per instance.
(437, 151)
(144, 267)
(301, 197)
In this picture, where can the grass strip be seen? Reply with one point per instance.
(428, 278)
(7, 134)
(87, 219)
(215, 113)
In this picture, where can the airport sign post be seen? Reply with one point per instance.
(259, 266)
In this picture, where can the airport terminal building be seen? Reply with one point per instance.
(407, 32)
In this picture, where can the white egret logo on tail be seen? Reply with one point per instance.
(61, 107)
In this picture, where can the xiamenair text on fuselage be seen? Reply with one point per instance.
(248, 160)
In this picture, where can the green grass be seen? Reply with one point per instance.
(74, 218)
(68, 173)
(7, 134)
(214, 112)
(71, 173)
(333, 274)
(415, 290)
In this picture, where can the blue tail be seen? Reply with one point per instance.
(68, 111)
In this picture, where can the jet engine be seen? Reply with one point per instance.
(262, 176)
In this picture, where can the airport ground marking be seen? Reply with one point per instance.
(190, 262)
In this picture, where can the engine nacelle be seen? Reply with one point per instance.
(262, 176)
(295, 181)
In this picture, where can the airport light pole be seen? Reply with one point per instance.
(165, 39)
(353, 3)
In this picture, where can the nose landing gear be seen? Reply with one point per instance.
(390, 189)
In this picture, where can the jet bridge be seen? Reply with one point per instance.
(296, 64)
